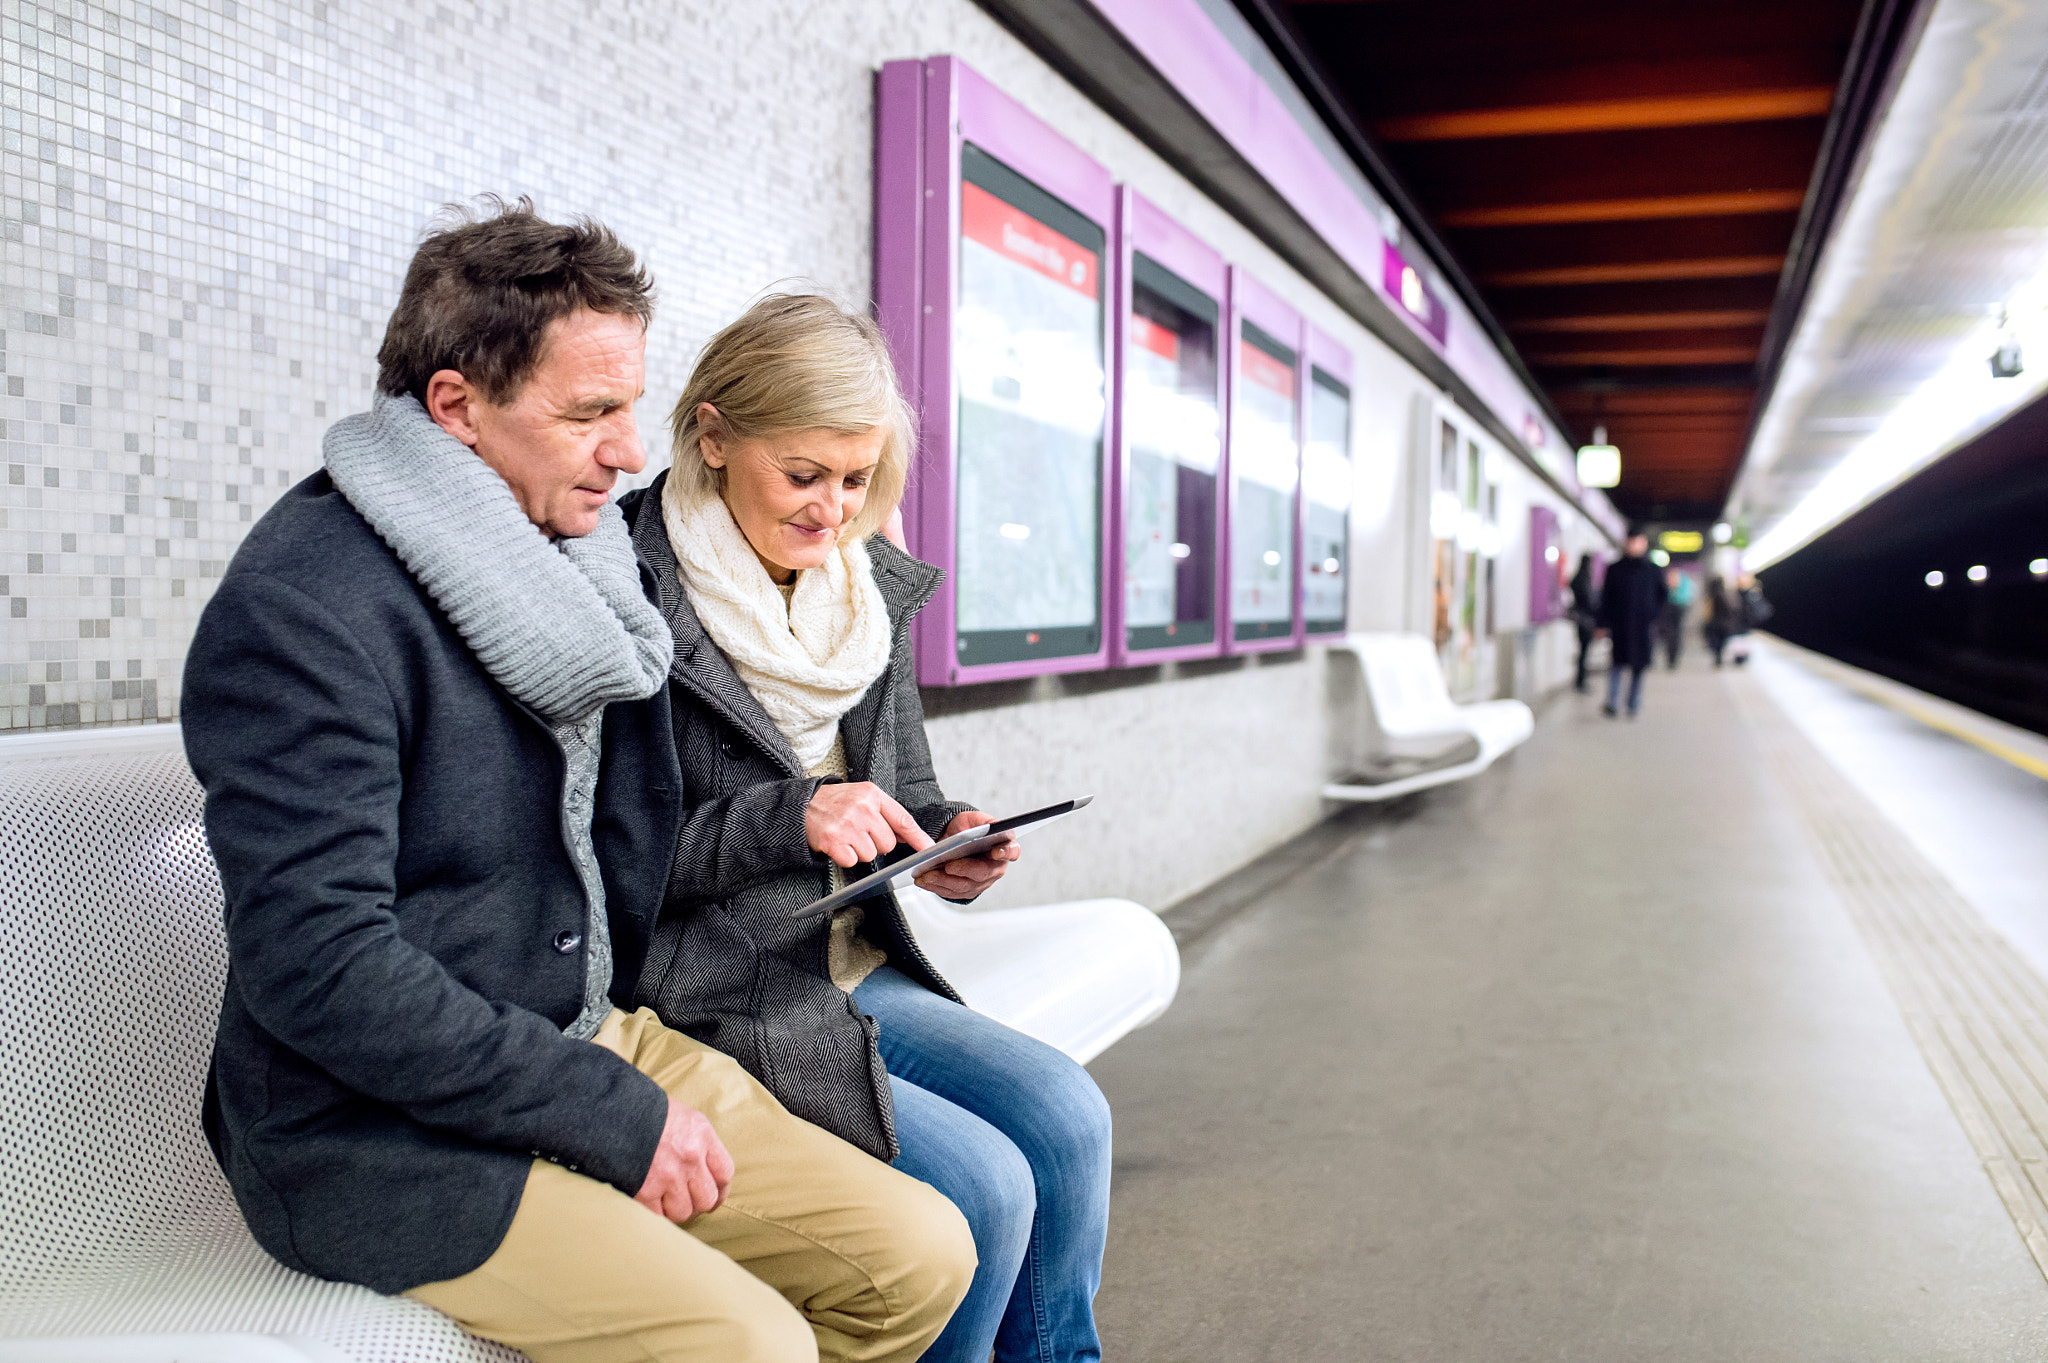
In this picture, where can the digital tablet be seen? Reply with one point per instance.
(967, 842)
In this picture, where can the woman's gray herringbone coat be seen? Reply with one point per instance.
(731, 963)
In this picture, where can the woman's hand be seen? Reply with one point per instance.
(969, 876)
(853, 822)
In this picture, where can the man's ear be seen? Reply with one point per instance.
(452, 402)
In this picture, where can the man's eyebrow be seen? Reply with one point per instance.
(605, 403)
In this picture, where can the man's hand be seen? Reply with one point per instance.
(691, 1169)
(969, 876)
(856, 822)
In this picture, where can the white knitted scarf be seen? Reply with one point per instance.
(562, 626)
(809, 663)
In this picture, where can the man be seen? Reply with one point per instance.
(1631, 597)
(397, 702)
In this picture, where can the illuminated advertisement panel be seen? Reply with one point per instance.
(1265, 476)
(1173, 446)
(1326, 490)
(1029, 368)
(993, 280)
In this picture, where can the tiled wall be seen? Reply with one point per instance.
(208, 205)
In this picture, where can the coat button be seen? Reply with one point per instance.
(566, 942)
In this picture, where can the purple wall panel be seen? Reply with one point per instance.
(1319, 350)
(1546, 596)
(1251, 301)
(1143, 226)
(1150, 230)
(924, 110)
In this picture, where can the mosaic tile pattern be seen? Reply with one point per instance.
(208, 205)
(207, 211)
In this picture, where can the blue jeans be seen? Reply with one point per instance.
(1635, 686)
(1017, 1136)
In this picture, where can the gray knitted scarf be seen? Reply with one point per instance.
(560, 625)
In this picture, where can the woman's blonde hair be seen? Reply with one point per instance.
(798, 362)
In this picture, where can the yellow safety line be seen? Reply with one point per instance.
(2033, 766)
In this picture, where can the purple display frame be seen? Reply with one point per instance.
(1251, 301)
(1143, 226)
(924, 111)
(1545, 597)
(1320, 350)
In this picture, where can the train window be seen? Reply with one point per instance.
(1265, 476)
(992, 273)
(1029, 365)
(1172, 430)
(1326, 484)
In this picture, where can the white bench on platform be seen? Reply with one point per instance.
(119, 1241)
(1424, 739)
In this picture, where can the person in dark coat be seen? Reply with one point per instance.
(1631, 599)
(801, 737)
(1585, 613)
(1720, 622)
(427, 707)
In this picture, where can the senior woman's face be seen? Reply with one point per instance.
(793, 494)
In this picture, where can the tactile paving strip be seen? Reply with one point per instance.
(1977, 1008)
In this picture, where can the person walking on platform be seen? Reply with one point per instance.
(1630, 601)
(1750, 610)
(427, 706)
(1720, 622)
(1585, 613)
(1671, 620)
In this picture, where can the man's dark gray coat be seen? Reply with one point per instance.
(731, 963)
(404, 918)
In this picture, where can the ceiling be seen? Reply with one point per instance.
(1620, 179)
(1940, 256)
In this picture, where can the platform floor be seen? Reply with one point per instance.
(1588, 1059)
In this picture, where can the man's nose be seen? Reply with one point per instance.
(622, 449)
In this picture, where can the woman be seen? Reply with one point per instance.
(1585, 613)
(803, 751)
(1720, 617)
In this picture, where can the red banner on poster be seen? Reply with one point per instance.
(1147, 334)
(1262, 369)
(1015, 235)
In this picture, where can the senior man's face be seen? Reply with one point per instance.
(561, 442)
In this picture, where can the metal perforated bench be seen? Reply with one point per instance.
(119, 1240)
(1422, 738)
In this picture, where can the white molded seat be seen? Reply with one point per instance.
(1077, 976)
(1425, 738)
(119, 1240)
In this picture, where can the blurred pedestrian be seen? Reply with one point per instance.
(1720, 617)
(1751, 610)
(1585, 613)
(1630, 601)
(1671, 620)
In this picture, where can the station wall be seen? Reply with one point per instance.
(207, 212)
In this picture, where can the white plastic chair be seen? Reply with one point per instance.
(1424, 738)
(119, 1240)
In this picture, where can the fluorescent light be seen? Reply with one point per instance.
(1950, 406)
(1723, 532)
(1660, 558)
(2039, 567)
(1010, 530)
(1179, 550)
(1272, 558)
(1551, 553)
(1682, 541)
(1332, 566)
(1599, 465)
(1935, 578)
(1978, 572)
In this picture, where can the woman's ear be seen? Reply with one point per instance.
(710, 436)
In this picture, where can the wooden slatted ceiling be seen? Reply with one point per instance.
(1621, 178)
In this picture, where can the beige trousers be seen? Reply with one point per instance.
(819, 1251)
